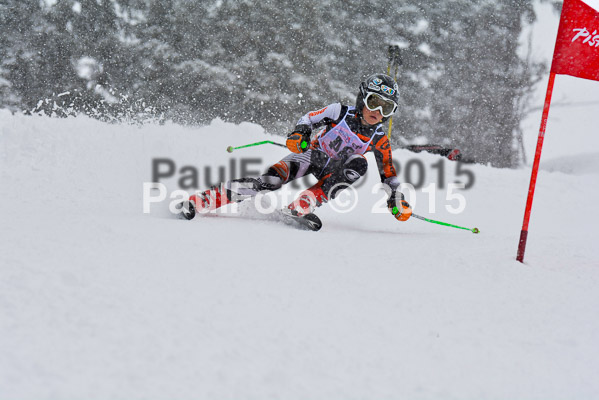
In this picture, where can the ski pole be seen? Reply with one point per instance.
(473, 230)
(231, 148)
(394, 60)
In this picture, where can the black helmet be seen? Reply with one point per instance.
(381, 85)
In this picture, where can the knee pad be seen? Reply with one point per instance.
(350, 171)
(354, 168)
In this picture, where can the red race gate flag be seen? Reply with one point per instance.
(576, 53)
(577, 47)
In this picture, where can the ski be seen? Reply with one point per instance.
(309, 222)
(186, 210)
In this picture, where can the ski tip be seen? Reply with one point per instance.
(312, 222)
(309, 221)
(230, 149)
(475, 230)
(186, 210)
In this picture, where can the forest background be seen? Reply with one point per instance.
(466, 78)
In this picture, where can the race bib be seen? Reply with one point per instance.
(340, 142)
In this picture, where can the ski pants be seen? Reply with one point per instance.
(333, 175)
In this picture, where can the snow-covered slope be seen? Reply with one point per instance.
(99, 300)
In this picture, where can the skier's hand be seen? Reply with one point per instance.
(400, 208)
(298, 141)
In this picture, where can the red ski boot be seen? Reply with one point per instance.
(308, 200)
(205, 201)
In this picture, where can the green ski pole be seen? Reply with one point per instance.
(473, 230)
(231, 148)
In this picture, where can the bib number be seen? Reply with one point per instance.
(340, 142)
(336, 146)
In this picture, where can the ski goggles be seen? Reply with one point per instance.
(375, 102)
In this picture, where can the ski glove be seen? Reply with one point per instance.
(298, 141)
(400, 208)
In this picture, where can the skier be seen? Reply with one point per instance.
(335, 156)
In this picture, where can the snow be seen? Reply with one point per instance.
(593, 3)
(88, 68)
(99, 300)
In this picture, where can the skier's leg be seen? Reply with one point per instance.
(227, 192)
(329, 186)
(292, 167)
(346, 175)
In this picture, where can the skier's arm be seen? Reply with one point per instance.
(298, 140)
(384, 162)
(318, 118)
(396, 204)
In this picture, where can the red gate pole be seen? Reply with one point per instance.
(535, 169)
